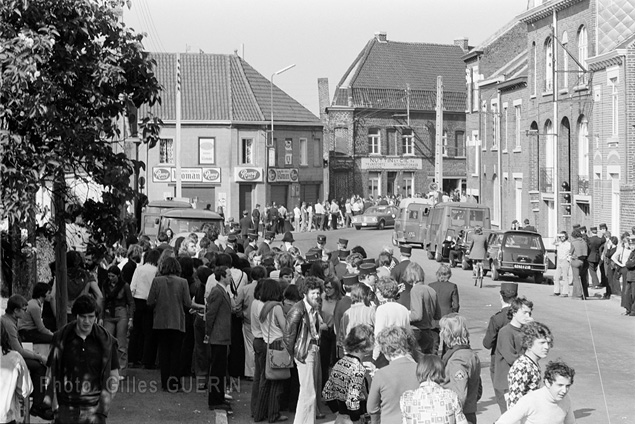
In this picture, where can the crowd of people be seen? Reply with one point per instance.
(365, 337)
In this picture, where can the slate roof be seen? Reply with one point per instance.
(218, 87)
(382, 71)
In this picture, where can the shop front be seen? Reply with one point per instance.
(388, 176)
(198, 184)
(248, 179)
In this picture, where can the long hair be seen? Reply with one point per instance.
(454, 330)
(431, 367)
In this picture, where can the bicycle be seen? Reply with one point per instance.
(478, 273)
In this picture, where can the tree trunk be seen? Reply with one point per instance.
(61, 291)
(23, 259)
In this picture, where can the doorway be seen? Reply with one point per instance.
(244, 197)
(391, 184)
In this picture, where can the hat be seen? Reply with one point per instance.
(367, 269)
(313, 255)
(245, 212)
(343, 254)
(343, 242)
(350, 279)
(231, 238)
(268, 261)
(269, 235)
(369, 261)
(288, 237)
(509, 289)
(593, 229)
(603, 226)
(252, 236)
(305, 267)
(576, 226)
(321, 239)
(582, 228)
(405, 249)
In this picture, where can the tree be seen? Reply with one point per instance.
(71, 72)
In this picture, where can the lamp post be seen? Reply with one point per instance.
(267, 145)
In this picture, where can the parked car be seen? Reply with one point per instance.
(376, 217)
(521, 253)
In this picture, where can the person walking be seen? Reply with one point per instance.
(563, 266)
(579, 253)
(118, 313)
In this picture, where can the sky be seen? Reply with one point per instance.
(321, 38)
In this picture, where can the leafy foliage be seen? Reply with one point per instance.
(71, 71)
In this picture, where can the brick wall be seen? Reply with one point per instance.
(627, 191)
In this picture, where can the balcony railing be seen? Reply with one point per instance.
(583, 185)
(546, 180)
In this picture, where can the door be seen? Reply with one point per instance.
(279, 194)
(519, 200)
(244, 197)
(339, 185)
(391, 180)
(309, 193)
(552, 220)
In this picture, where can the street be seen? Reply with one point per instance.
(592, 336)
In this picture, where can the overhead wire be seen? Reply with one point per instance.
(154, 30)
(141, 16)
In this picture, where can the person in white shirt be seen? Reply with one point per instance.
(388, 312)
(547, 405)
(563, 266)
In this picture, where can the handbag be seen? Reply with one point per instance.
(278, 360)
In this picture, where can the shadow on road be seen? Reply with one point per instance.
(584, 412)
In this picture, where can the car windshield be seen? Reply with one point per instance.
(522, 241)
(189, 225)
(377, 210)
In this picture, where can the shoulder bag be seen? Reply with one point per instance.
(278, 362)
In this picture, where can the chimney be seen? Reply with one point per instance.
(323, 97)
(462, 43)
(381, 36)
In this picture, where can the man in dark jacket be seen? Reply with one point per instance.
(595, 245)
(302, 339)
(218, 336)
(246, 226)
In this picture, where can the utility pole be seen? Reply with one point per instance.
(555, 126)
(177, 148)
(438, 153)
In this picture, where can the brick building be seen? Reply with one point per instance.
(380, 127)
(226, 158)
(559, 122)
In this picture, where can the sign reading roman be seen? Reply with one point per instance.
(397, 163)
(282, 175)
(167, 174)
(246, 174)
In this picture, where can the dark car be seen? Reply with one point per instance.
(376, 217)
(521, 253)
(463, 244)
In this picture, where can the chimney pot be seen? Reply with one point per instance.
(381, 36)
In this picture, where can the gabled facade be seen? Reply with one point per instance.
(227, 158)
(380, 127)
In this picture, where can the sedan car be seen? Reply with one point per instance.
(376, 217)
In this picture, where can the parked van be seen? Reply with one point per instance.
(412, 224)
(151, 213)
(190, 221)
(453, 216)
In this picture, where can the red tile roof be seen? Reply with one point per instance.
(381, 72)
(216, 87)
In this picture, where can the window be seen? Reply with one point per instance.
(407, 142)
(614, 106)
(495, 126)
(583, 46)
(517, 129)
(583, 148)
(341, 140)
(444, 145)
(565, 60)
(247, 151)
(304, 157)
(374, 184)
(477, 155)
(459, 144)
(496, 207)
(207, 150)
(317, 153)
(534, 79)
(374, 142)
(475, 95)
(166, 150)
(506, 129)
(548, 65)
(408, 184)
(484, 138)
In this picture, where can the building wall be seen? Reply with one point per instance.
(228, 157)
(627, 191)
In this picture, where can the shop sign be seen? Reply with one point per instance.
(396, 163)
(162, 174)
(282, 175)
(247, 175)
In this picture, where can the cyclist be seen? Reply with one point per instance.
(477, 251)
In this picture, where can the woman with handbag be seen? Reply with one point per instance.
(277, 361)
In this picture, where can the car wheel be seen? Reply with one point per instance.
(539, 278)
(357, 227)
(430, 255)
(495, 274)
(438, 257)
(381, 225)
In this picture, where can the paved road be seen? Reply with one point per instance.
(592, 336)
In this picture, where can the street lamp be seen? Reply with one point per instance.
(266, 173)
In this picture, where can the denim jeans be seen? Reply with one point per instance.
(117, 325)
